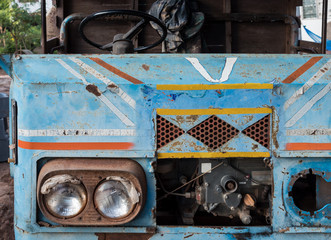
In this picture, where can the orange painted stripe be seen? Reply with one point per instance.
(302, 69)
(116, 71)
(75, 145)
(308, 146)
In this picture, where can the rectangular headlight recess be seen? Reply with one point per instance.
(91, 192)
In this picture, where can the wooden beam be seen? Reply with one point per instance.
(228, 30)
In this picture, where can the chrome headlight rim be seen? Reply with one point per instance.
(73, 182)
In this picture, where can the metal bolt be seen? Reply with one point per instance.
(232, 208)
(239, 196)
(206, 184)
(226, 196)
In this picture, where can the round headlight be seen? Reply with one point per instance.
(116, 197)
(65, 198)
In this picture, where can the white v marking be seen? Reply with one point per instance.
(229, 63)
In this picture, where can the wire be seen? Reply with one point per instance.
(165, 190)
(192, 180)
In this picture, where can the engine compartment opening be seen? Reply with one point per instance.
(217, 192)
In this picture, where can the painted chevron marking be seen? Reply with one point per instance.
(106, 81)
(76, 132)
(308, 132)
(116, 71)
(99, 95)
(75, 145)
(308, 146)
(229, 63)
(308, 106)
(311, 62)
(188, 87)
(307, 85)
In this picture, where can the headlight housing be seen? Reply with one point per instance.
(91, 192)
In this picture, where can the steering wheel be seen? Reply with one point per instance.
(146, 18)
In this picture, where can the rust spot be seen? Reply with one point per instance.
(146, 67)
(151, 230)
(121, 236)
(153, 213)
(192, 118)
(93, 89)
(300, 161)
(180, 119)
(284, 230)
(188, 236)
(243, 236)
(112, 85)
(275, 127)
(255, 146)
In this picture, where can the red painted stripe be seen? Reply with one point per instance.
(75, 145)
(302, 70)
(308, 146)
(116, 71)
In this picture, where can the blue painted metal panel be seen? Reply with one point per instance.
(55, 106)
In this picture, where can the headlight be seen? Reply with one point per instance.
(116, 197)
(64, 196)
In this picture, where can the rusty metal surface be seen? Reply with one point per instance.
(260, 131)
(213, 132)
(166, 131)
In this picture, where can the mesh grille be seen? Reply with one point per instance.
(213, 132)
(260, 131)
(166, 132)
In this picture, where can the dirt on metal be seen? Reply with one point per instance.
(6, 182)
(6, 203)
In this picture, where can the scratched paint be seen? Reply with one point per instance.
(46, 115)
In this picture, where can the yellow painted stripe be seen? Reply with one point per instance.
(213, 111)
(214, 86)
(213, 155)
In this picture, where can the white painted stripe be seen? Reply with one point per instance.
(307, 85)
(105, 100)
(117, 112)
(229, 63)
(106, 81)
(308, 132)
(70, 69)
(308, 106)
(76, 132)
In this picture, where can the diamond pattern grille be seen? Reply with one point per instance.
(166, 131)
(260, 131)
(213, 132)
